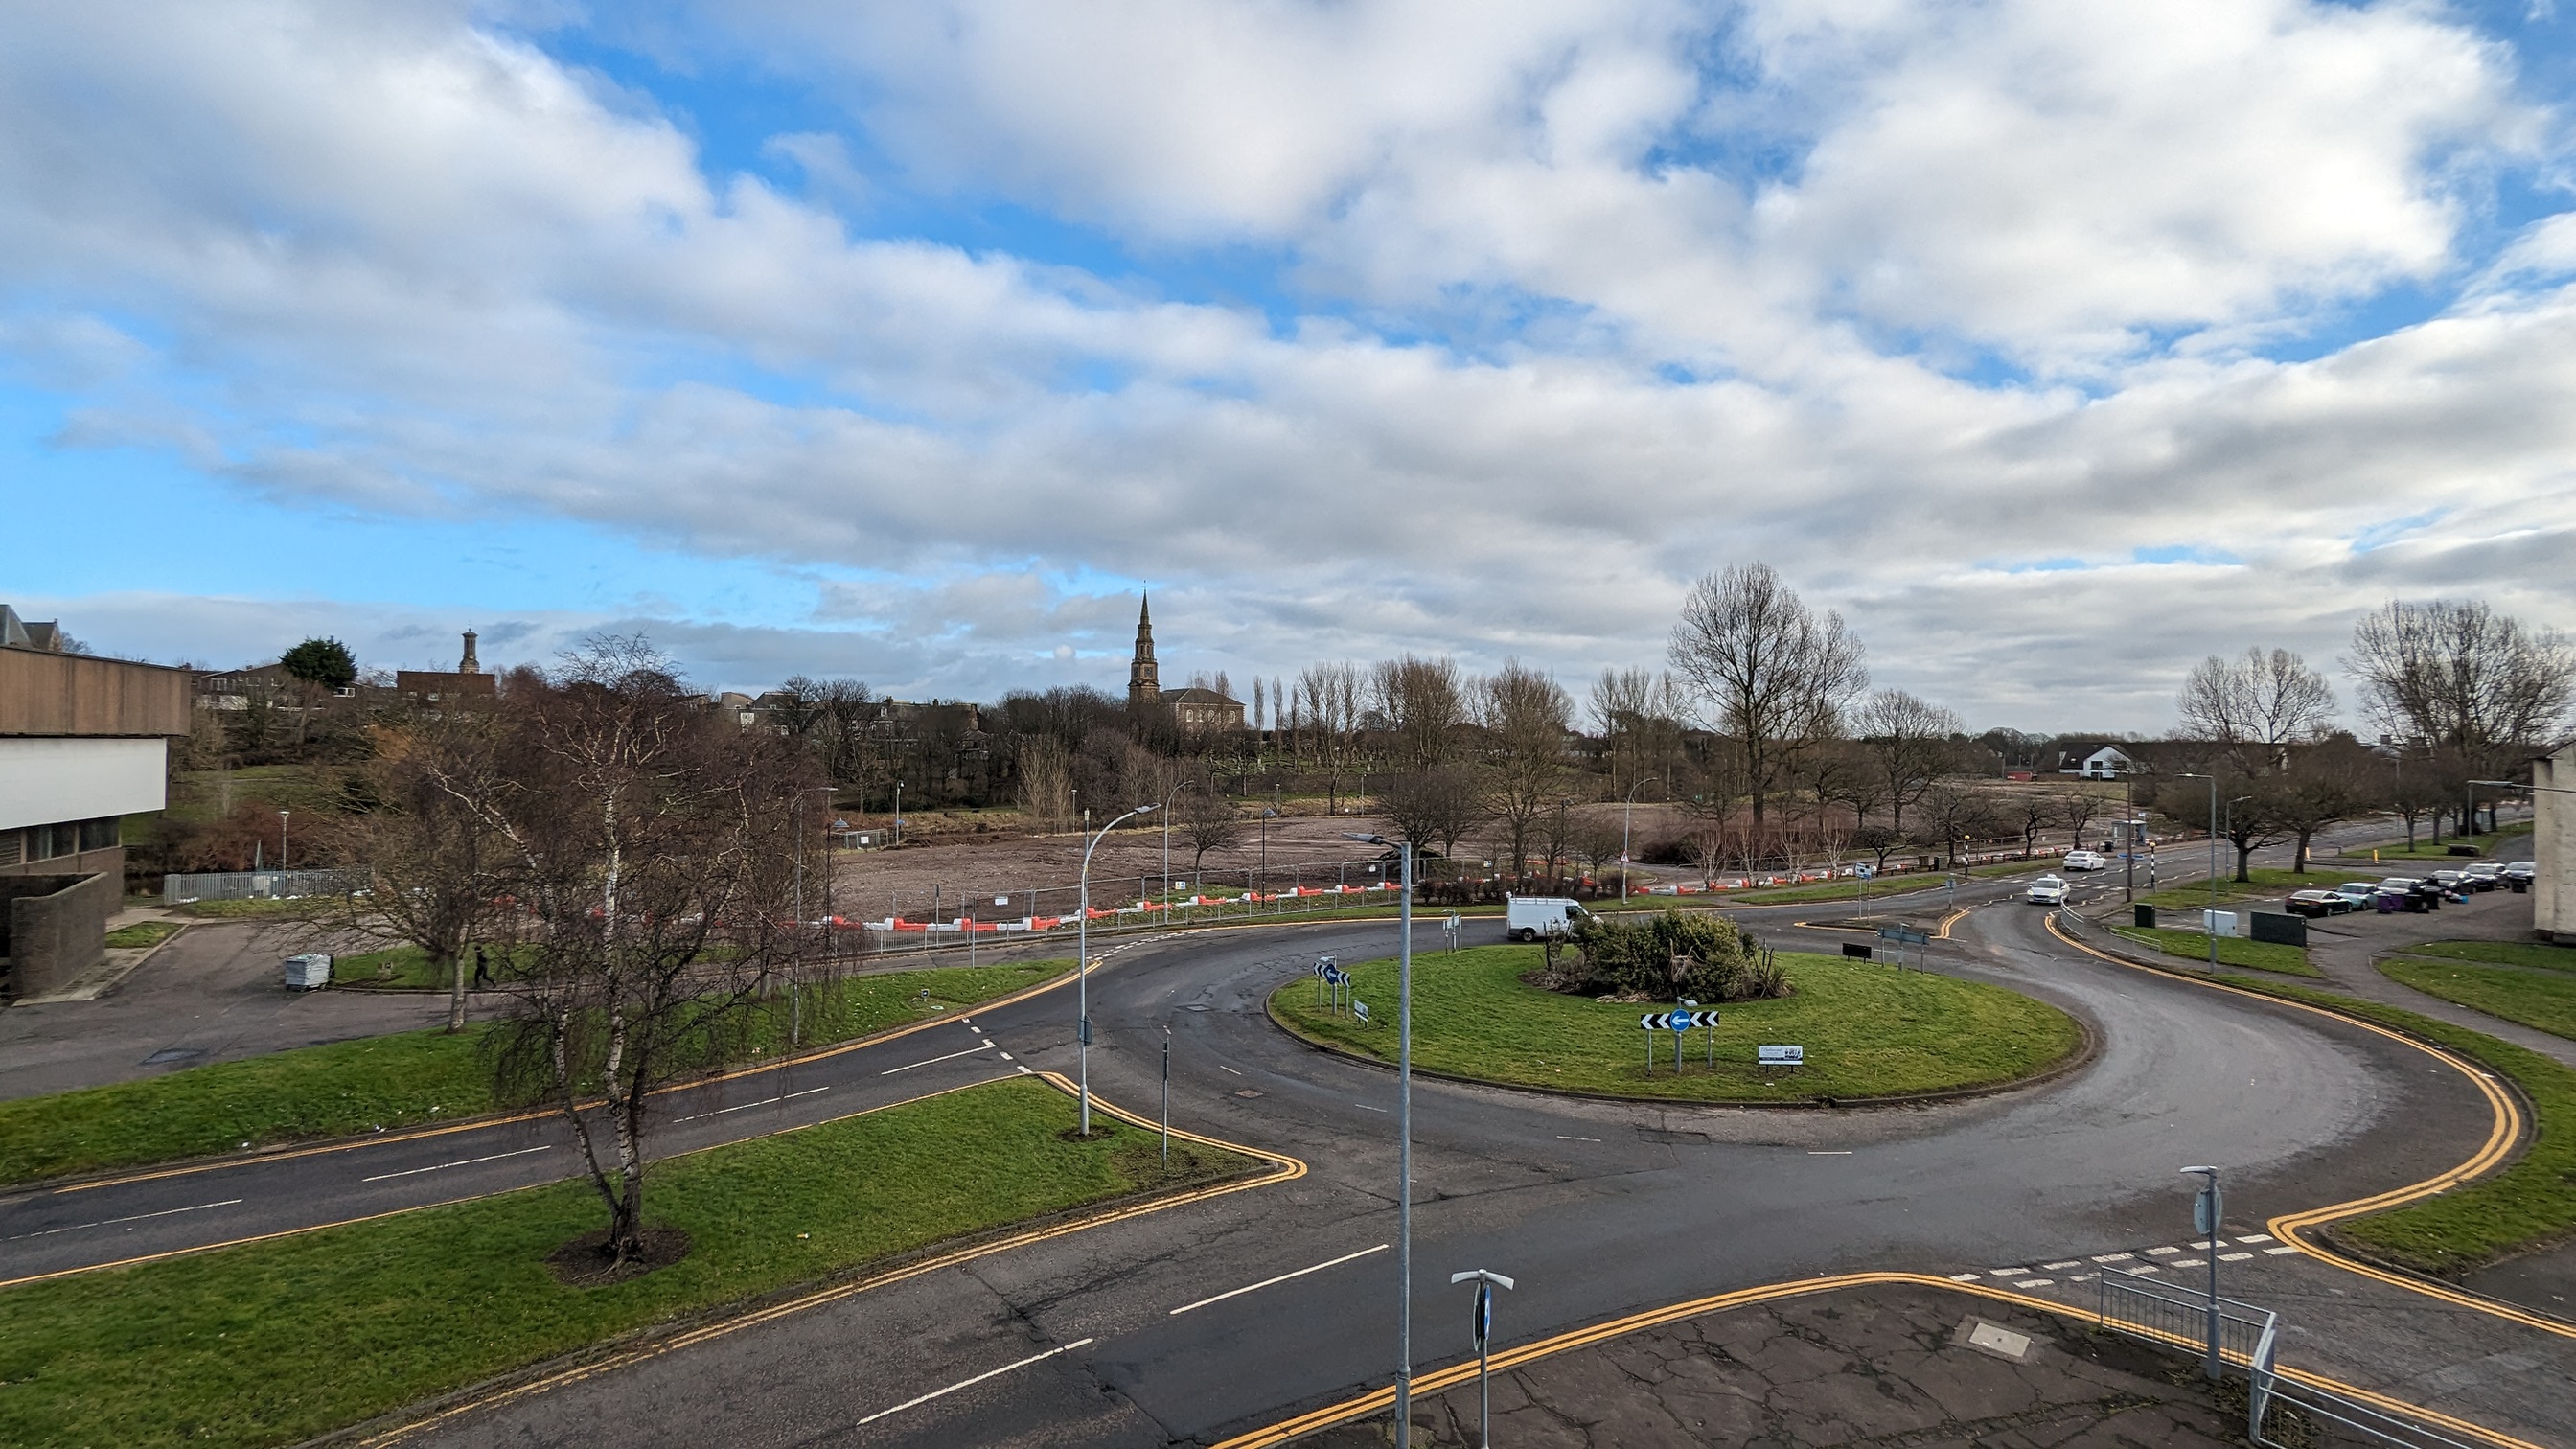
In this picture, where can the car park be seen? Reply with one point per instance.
(2085, 860)
(2048, 890)
(2318, 903)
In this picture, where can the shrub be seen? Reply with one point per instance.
(1635, 957)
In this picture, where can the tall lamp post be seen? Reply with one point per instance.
(1627, 814)
(1082, 956)
(281, 837)
(1268, 814)
(2210, 927)
(1404, 1143)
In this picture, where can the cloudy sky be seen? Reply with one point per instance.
(2055, 343)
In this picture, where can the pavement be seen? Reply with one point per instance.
(1857, 1366)
(1199, 1324)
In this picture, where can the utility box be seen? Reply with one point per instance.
(2145, 914)
(2279, 929)
(308, 972)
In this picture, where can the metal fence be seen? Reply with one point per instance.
(2281, 1411)
(260, 885)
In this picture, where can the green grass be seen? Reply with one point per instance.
(2529, 1203)
(142, 933)
(395, 1081)
(2232, 950)
(2543, 1001)
(2266, 881)
(1869, 1030)
(2509, 845)
(2502, 953)
(297, 908)
(277, 1342)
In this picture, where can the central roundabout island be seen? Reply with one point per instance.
(1868, 1031)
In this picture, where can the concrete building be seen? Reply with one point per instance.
(2553, 840)
(84, 741)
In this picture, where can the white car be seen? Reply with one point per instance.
(2048, 890)
(2086, 860)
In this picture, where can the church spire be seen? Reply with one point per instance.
(1144, 682)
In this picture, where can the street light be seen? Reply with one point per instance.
(1482, 1329)
(2208, 925)
(1082, 956)
(2206, 1210)
(1627, 813)
(281, 837)
(1404, 1142)
(1268, 814)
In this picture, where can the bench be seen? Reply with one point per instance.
(1781, 1056)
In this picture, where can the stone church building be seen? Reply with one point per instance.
(1195, 710)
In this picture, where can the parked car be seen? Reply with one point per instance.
(2455, 884)
(1530, 917)
(2085, 860)
(2406, 893)
(2048, 890)
(2318, 903)
(2358, 892)
(2521, 870)
(2486, 875)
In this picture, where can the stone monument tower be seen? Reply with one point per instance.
(469, 664)
(1144, 684)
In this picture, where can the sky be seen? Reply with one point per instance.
(2055, 344)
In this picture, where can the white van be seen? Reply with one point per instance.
(1530, 917)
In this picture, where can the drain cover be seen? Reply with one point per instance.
(167, 1055)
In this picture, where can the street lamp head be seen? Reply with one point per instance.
(2204, 1171)
(1365, 838)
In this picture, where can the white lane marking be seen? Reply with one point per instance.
(2234, 1257)
(2113, 1257)
(1282, 1278)
(1365, 1107)
(1026, 1072)
(2161, 1251)
(2033, 1283)
(1561, 1137)
(746, 1104)
(2006, 1272)
(1222, 1067)
(112, 1222)
(465, 1162)
(1965, 1277)
(2061, 1267)
(1006, 1056)
(2255, 1238)
(2145, 1268)
(979, 1378)
(2187, 1262)
(952, 1056)
(988, 1046)
(1844, 1152)
(2276, 1252)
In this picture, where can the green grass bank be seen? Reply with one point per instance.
(2542, 1000)
(2232, 950)
(1869, 1029)
(276, 1342)
(400, 1080)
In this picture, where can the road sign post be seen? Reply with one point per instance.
(2208, 1210)
(1167, 1096)
(1480, 1326)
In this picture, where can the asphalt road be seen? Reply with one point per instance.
(1119, 1335)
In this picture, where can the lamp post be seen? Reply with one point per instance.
(1404, 1142)
(2208, 926)
(1481, 1328)
(1262, 892)
(1627, 814)
(281, 837)
(2129, 838)
(898, 812)
(2206, 1210)
(1082, 957)
(1167, 841)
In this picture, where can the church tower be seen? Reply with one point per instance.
(469, 664)
(1144, 685)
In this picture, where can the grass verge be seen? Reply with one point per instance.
(2502, 953)
(1870, 1030)
(2232, 950)
(2265, 881)
(395, 1081)
(221, 1349)
(294, 908)
(2543, 1001)
(2527, 1205)
(141, 933)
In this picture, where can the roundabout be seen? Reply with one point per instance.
(1869, 1032)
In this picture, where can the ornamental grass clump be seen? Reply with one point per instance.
(1664, 957)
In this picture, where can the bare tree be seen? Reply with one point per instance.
(1907, 742)
(1432, 809)
(1772, 675)
(1331, 716)
(649, 845)
(2462, 678)
(2257, 706)
(2078, 809)
(2032, 811)
(1209, 821)
(1526, 718)
(1953, 814)
(429, 853)
(1423, 702)
(1638, 713)
(1046, 781)
(2323, 784)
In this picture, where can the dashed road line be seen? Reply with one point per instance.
(952, 1056)
(1282, 1278)
(740, 1106)
(112, 1222)
(979, 1378)
(461, 1162)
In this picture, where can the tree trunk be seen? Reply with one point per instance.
(2244, 861)
(2300, 865)
(456, 993)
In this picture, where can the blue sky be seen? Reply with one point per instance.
(910, 343)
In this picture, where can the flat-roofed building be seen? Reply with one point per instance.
(84, 741)
(2553, 846)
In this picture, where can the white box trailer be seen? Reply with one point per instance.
(1526, 918)
(310, 971)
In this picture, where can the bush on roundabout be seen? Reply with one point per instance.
(1869, 1029)
(1663, 957)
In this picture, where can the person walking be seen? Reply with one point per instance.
(482, 971)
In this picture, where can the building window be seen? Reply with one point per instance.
(12, 846)
(44, 842)
(100, 834)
